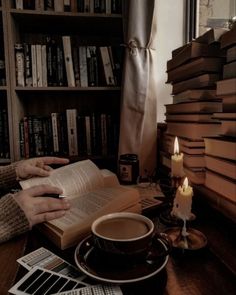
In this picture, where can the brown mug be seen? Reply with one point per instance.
(125, 236)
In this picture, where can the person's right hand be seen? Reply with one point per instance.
(39, 208)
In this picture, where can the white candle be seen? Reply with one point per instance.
(183, 201)
(177, 161)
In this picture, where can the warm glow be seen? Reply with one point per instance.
(176, 146)
(185, 183)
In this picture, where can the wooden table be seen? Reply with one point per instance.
(211, 271)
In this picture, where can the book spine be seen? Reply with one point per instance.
(67, 5)
(19, 55)
(19, 4)
(59, 5)
(68, 61)
(44, 66)
(110, 80)
(83, 66)
(71, 116)
(88, 135)
(39, 65)
(28, 66)
(54, 118)
(34, 65)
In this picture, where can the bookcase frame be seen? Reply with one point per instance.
(98, 29)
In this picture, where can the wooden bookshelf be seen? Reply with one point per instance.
(29, 26)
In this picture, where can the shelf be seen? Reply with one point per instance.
(3, 88)
(77, 22)
(75, 89)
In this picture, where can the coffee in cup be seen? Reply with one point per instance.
(123, 236)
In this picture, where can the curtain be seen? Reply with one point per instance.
(138, 120)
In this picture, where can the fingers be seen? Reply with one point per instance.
(45, 204)
(44, 189)
(47, 216)
(54, 160)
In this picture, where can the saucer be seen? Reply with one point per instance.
(93, 265)
(196, 240)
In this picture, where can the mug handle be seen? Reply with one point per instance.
(155, 254)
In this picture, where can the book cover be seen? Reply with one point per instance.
(195, 175)
(194, 107)
(228, 127)
(190, 51)
(221, 146)
(221, 166)
(83, 66)
(195, 94)
(194, 68)
(231, 54)
(68, 61)
(107, 66)
(198, 117)
(229, 70)
(193, 130)
(20, 68)
(229, 103)
(71, 117)
(205, 80)
(91, 192)
(221, 184)
(226, 87)
(39, 65)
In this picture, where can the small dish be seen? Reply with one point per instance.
(195, 239)
(95, 266)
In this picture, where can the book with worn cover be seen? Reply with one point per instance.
(221, 166)
(190, 51)
(194, 107)
(197, 117)
(220, 146)
(195, 94)
(226, 87)
(221, 184)
(194, 131)
(92, 192)
(194, 68)
(202, 81)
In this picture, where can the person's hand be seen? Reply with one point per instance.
(39, 208)
(37, 166)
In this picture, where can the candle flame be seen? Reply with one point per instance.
(185, 183)
(176, 146)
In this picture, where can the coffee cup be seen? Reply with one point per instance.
(124, 236)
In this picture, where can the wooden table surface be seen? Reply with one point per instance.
(211, 271)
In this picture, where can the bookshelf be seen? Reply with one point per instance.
(5, 104)
(85, 29)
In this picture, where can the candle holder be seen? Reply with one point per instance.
(165, 216)
(186, 238)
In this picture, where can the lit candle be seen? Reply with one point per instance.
(183, 201)
(177, 161)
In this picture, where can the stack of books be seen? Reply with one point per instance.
(220, 151)
(193, 72)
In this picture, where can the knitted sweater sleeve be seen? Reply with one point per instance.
(12, 219)
(8, 176)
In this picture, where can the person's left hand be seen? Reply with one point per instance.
(37, 166)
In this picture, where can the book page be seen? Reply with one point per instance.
(74, 179)
(86, 207)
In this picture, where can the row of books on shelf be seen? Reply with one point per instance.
(69, 134)
(4, 134)
(60, 62)
(89, 6)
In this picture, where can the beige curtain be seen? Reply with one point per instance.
(138, 126)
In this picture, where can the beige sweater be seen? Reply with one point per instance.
(12, 219)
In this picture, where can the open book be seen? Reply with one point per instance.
(92, 193)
